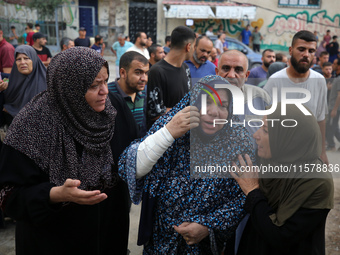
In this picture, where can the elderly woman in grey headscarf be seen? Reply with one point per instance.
(27, 79)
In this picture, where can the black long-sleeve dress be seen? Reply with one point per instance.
(44, 228)
(303, 233)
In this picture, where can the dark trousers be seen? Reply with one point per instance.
(256, 47)
(332, 129)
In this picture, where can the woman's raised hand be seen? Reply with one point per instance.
(183, 121)
(69, 192)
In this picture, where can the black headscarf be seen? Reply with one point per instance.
(60, 131)
(22, 88)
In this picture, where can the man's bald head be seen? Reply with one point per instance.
(234, 53)
(233, 66)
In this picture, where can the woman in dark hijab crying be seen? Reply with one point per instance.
(58, 165)
(288, 207)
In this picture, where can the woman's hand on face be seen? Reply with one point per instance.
(192, 232)
(183, 121)
(69, 192)
(247, 178)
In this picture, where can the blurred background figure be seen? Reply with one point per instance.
(149, 43)
(82, 40)
(156, 52)
(213, 57)
(28, 78)
(323, 58)
(167, 44)
(13, 37)
(37, 28)
(256, 39)
(327, 37)
(66, 43)
(39, 45)
(6, 54)
(245, 35)
(119, 48)
(209, 31)
(140, 44)
(280, 57)
(99, 45)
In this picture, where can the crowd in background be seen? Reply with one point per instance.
(156, 102)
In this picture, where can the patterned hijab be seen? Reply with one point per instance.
(193, 148)
(292, 147)
(22, 88)
(60, 131)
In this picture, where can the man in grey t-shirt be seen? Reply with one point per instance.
(256, 38)
(13, 37)
(299, 75)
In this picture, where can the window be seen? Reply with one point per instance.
(234, 46)
(300, 3)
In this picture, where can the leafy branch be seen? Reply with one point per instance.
(44, 8)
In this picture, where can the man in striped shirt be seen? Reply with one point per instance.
(133, 70)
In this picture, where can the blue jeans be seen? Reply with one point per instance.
(332, 129)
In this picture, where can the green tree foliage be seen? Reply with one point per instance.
(45, 8)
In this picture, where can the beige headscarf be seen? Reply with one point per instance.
(292, 147)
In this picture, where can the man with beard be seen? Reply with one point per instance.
(199, 64)
(169, 79)
(233, 66)
(259, 74)
(300, 75)
(99, 45)
(133, 70)
(156, 52)
(140, 45)
(39, 45)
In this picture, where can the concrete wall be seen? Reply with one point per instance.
(19, 15)
(277, 29)
(122, 14)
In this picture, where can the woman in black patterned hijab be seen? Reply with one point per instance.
(57, 167)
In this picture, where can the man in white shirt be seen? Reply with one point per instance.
(299, 76)
(140, 45)
(219, 44)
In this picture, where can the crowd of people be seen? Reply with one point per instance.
(78, 150)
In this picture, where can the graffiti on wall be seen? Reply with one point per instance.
(293, 23)
(232, 27)
(283, 27)
(278, 34)
(16, 13)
